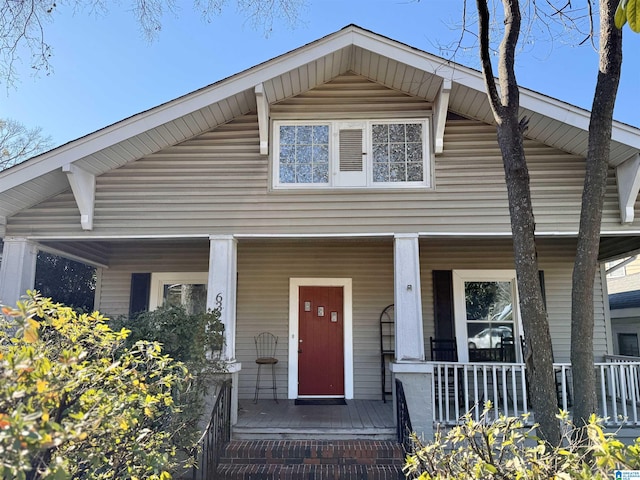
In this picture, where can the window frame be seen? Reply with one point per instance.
(459, 304)
(334, 158)
(160, 279)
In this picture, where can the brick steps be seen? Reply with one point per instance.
(311, 459)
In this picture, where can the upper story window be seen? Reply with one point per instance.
(328, 154)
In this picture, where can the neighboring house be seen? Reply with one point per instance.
(623, 284)
(308, 193)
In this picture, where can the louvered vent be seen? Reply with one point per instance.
(351, 150)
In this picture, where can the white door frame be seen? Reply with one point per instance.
(294, 299)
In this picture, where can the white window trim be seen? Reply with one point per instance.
(294, 299)
(459, 305)
(368, 158)
(159, 280)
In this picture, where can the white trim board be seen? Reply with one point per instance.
(294, 298)
(160, 279)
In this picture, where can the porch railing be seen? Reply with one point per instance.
(403, 421)
(458, 388)
(215, 437)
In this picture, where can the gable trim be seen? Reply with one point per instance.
(83, 186)
(628, 178)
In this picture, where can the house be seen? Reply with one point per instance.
(305, 195)
(623, 285)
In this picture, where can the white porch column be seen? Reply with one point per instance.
(18, 269)
(407, 299)
(410, 366)
(221, 290)
(222, 293)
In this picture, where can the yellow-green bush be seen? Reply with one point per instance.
(507, 449)
(74, 403)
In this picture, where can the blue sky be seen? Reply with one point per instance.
(104, 69)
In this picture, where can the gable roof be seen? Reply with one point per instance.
(352, 49)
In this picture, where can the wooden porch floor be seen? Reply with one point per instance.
(372, 419)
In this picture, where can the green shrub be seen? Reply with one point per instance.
(507, 449)
(195, 339)
(74, 403)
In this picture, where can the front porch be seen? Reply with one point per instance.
(358, 419)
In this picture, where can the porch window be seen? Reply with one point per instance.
(486, 315)
(628, 344)
(186, 289)
(345, 153)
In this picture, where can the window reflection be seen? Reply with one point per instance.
(193, 297)
(490, 327)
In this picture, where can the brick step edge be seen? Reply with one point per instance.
(313, 451)
(310, 472)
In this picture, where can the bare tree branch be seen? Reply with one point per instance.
(19, 143)
(485, 58)
(23, 22)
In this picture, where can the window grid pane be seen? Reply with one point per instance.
(397, 152)
(304, 154)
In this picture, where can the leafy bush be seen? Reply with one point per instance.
(75, 404)
(195, 339)
(507, 449)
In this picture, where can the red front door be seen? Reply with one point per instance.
(321, 341)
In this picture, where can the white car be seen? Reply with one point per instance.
(490, 337)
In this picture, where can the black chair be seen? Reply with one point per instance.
(444, 349)
(484, 355)
(507, 349)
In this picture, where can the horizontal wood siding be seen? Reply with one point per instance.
(218, 182)
(265, 267)
(264, 270)
(145, 256)
(555, 259)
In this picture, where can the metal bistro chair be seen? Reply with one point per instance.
(266, 344)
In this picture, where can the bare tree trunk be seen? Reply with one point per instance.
(505, 107)
(595, 184)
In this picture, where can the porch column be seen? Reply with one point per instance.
(18, 269)
(222, 294)
(410, 366)
(407, 299)
(221, 289)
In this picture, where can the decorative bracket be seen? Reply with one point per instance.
(628, 178)
(83, 186)
(263, 118)
(440, 108)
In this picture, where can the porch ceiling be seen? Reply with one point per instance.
(351, 49)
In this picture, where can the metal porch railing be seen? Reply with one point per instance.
(215, 437)
(403, 421)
